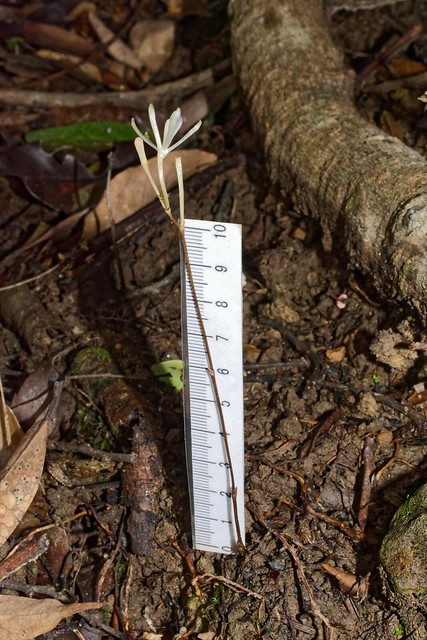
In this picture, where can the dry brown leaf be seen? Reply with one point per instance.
(153, 42)
(403, 67)
(10, 430)
(32, 400)
(117, 49)
(21, 476)
(130, 190)
(88, 68)
(348, 582)
(23, 618)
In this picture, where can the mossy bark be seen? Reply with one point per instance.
(368, 190)
(130, 414)
(403, 559)
(404, 549)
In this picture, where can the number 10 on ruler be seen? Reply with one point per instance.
(214, 251)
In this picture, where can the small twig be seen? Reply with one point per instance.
(8, 287)
(103, 574)
(301, 347)
(396, 458)
(31, 589)
(403, 42)
(299, 567)
(342, 526)
(330, 421)
(292, 362)
(190, 566)
(366, 488)
(97, 624)
(125, 596)
(87, 450)
(405, 409)
(235, 586)
(121, 282)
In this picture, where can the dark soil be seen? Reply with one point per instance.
(333, 446)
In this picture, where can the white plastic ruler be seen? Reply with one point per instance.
(214, 250)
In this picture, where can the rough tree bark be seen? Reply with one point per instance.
(366, 188)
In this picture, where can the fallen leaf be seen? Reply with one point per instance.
(153, 42)
(117, 49)
(31, 401)
(47, 35)
(10, 430)
(22, 554)
(348, 582)
(131, 191)
(47, 179)
(20, 478)
(404, 67)
(78, 68)
(170, 372)
(23, 618)
(389, 124)
(86, 135)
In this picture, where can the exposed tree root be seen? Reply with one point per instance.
(368, 190)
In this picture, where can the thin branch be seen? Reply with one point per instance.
(132, 99)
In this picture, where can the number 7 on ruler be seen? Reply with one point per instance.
(214, 253)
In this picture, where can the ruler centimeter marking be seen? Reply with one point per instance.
(215, 254)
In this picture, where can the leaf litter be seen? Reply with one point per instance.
(24, 618)
(20, 476)
(303, 506)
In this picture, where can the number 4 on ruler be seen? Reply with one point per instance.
(213, 383)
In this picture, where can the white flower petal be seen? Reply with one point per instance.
(165, 143)
(187, 135)
(154, 127)
(141, 135)
(140, 149)
(172, 127)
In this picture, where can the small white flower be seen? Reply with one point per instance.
(172, 126)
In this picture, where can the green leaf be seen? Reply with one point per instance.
(86, 135)
(170, 372)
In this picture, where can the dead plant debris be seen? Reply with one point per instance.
(93, 488)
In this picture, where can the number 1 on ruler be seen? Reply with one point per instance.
(214, 252)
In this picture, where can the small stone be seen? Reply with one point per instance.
(335, 355)
(385, 437)
(299, 234)
(368, 405)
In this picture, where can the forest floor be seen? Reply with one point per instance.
(335, 412)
